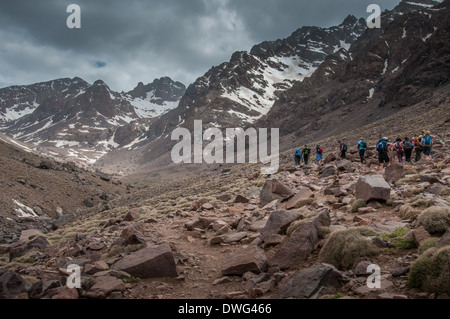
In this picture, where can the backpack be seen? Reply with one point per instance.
(427, 140)
(408, 145)
(319, 150)
(399, 145)
(298, 153)
(363, 144)
(344, 148)
(381, 146)
(306, 151)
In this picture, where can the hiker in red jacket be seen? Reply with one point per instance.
(398, 146)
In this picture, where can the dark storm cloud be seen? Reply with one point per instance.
(140, 40)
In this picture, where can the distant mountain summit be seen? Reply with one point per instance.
(155, 98)
(77, 120)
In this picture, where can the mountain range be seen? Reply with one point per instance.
(316, 83)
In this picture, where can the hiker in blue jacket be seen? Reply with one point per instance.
(297, 157)
(383, 153)
(362, 147)
(427, 144)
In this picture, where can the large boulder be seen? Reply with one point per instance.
(372, 187)
(150, 262)
(278, 223)
(313, 282)
(252, 258)
(297, 247)
(29, 239)
(298, 200)
(273, 190)
(11, 284)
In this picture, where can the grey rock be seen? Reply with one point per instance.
(11, 284)
(150, 262)
(297, 247)
(320, 279)
(278, 223)
(251, 258)
(372, 187)
(327, 170)
(273, 190)
(361, 268)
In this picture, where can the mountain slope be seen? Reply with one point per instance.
(403, 64)
(34, 189)
(239, 92)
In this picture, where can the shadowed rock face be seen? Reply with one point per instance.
(306, 283)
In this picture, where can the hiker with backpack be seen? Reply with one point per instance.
(306, 151)
(427, 144)
(398, 146)
(362, 147)
(417, 141)
(319, 155)
(408, 146)
(383, 156)
(297, 157)
(342, 149)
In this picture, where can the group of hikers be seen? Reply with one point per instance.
(386, 149)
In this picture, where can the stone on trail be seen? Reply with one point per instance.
(298, 199)
(394, 172)
(272, 190)
(252, 258)
(311, 283)
(278, 223)
(344, 166)
(372, 187)
(387, 227)
(297, 247)
(419, 235)
(150, 262)
(104, 286)
(132, 215)
(327, 170)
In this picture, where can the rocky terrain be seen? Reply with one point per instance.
(87, 178)
(307, 232)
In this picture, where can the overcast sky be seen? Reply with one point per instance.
(124, 42)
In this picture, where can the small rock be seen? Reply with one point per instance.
(400, 271)
(241, 199)
(361, 268)
(104, 286)
(208, 206)
(221, 281)
(419, 235)
(131, 215)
